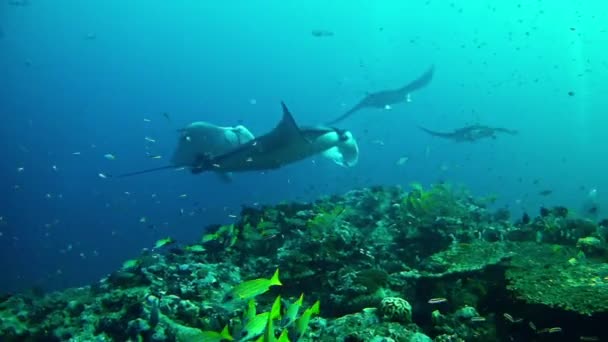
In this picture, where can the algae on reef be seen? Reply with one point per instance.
(384, 262)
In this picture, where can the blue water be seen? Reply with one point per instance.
(81, 76)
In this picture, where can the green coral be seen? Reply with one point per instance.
(325, 219)
(440, 200)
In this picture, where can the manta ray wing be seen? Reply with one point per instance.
(269, 151)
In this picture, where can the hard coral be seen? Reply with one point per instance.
(396, 309)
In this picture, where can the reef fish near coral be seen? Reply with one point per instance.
(253, 288)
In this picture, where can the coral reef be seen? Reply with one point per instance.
(385, 264)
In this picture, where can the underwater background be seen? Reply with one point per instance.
(83, 79)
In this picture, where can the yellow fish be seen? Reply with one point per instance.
(163, 242)
(253, 288)
(263, 324)
(132, 263)
(214, 336)
(302, 322)
(292, 312)
(275, 312)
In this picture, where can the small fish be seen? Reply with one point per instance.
(210, 237)
(147, 120)
(54, 167)
(183, 196)
(250, 311)
(255, 327)
(196, 249)
(163, 242)
(143, 219)
(402, 160)
(545, 192)
(292, 311)
(213, 336)
(437, 300)
(510, 318)
(156, 157)
(302, 322)
(252, 288)
(76, 153)
(284, 337)
(148, 139)
(554, 330)
(275, 312)
(109, 156)
(478, 319)
(132, 263)
(589, 338)
(321, 33)
(166, 115)
(20, 169)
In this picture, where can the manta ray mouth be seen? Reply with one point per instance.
(341, 134)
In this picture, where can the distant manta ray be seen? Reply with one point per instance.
(384, 98)
(285, 144)
(470, 133)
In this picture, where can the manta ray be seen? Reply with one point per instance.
(470, 133)
(384, 98)
(287, 143)
(203, 138)
(205, 147)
